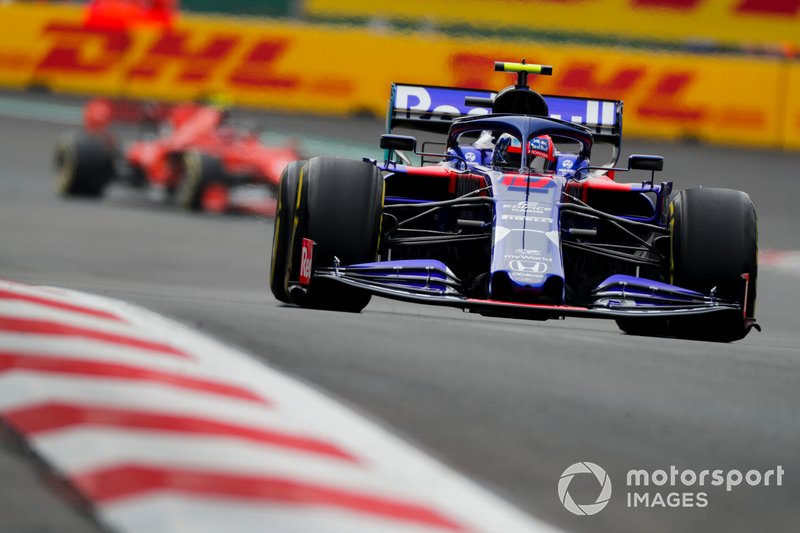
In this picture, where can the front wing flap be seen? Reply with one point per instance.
(434, 295)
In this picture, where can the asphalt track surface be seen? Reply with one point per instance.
(510, 403)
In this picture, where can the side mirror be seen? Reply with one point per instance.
(404, 143)
(654, 163)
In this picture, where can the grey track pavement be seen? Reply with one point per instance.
(510, 403)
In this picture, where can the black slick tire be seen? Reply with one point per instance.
(84, 165)
(714, 246)
(282, 231)
(340, 209)
(200, 170)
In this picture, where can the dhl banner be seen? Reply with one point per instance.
(724, 21)
(789, 107)
(326, 69)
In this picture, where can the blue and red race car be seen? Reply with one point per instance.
(510, 217)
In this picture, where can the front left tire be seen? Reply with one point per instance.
(84, 165)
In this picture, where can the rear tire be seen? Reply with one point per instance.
(282, 231)
(85, 165)
(714, 241)
(341, 207)
(200, 170)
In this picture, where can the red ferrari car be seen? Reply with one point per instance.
(186, 153)
(123, 14)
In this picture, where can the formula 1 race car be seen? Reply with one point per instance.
(187, 153)
(510, 218)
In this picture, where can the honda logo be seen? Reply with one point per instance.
(535, 267)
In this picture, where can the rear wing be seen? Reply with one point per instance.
(433, 109)
(101, 113)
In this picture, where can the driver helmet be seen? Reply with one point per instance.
(508, 152)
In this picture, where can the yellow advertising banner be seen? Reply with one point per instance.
(727, 21)
(790, 109)
(327, 69)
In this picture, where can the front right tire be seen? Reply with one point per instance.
(282, 231)
(339, 206)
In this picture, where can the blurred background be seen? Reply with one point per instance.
(722, 71)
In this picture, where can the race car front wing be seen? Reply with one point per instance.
(431, 282)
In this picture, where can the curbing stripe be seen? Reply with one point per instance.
(64, 365)
(149, 513)
(20, 389)
(131, 480)
(47, 417)
(153, 455)
(46, 327)
(56, 304)
(209, 453)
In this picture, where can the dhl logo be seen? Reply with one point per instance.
(185, 57)
(649, 95)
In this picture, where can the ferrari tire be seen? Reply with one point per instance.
(340, 209)
(282, 231)
(84, 165)
(714, 245)
(200, 170)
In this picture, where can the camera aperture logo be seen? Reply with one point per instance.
(589, 508)
(664, 488)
